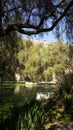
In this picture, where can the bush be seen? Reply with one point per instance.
(32, 118)
(27, 117)
(68, 102)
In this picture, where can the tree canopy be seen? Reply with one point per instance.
(36, 16)
(38, 62)
(9, 47)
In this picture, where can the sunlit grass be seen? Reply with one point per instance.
(12, 84)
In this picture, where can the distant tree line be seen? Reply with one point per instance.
(35, 61)
(38, 62)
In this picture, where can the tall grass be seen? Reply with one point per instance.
(28, 117)
(33, 117)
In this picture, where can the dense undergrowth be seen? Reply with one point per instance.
(38, 115)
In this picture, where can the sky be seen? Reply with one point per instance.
(45, 37)
(49, 37)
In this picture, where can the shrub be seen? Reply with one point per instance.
(68, 102)
(32, 118)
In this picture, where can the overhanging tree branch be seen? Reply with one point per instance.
(36, 29)
(52, 27)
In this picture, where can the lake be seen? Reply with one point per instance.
(20, 94)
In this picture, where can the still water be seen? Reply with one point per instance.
(22, 94)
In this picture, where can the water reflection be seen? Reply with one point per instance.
(44, 96)
(17, 90)
(25, 92)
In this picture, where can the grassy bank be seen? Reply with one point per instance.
(13, 84)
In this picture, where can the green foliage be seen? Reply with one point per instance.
(34, 62)
(39, 62)
(67, 82)
(68, 102)
(33, 118)
(10, 122)
(27, 117)
(9, 47)
(48, 73)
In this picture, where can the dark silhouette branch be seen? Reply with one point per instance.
(36, 29)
